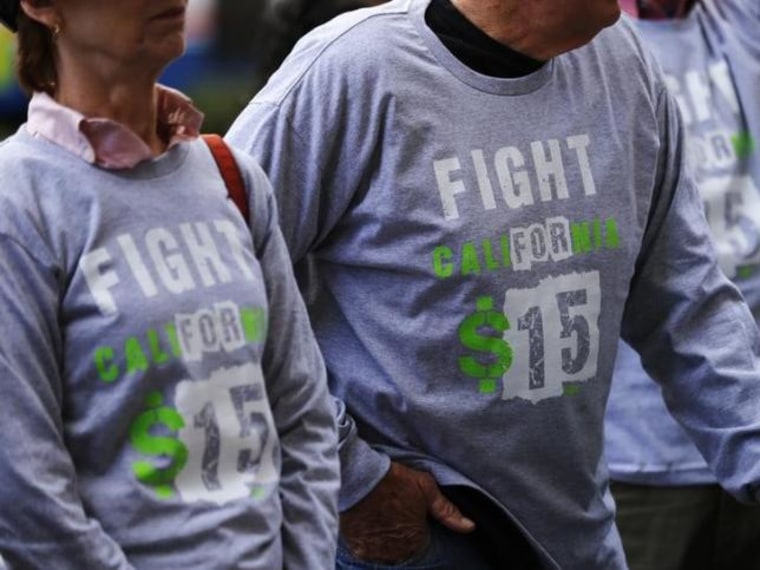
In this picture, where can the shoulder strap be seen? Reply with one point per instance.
(230, 171)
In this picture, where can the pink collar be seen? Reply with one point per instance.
(105, 142)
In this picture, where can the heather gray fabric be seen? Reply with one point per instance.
(164, 404)
(712, 64)
(470, 245)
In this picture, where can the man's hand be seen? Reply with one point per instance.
(390, 524)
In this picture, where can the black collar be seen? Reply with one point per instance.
(473, 47)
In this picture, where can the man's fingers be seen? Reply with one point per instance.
(446, 512)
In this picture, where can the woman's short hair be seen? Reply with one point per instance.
(35, 59)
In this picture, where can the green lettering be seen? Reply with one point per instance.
(104, 363)
(581, 237)
(156, 352)
(597, 233)
(745, 271)
(483, 332)
(254, 323)
(470, 261)
(171, 333)
(743, 144)
(442, 266)
(136, 359)
(171, 452)
(491, 263)
(612, 234)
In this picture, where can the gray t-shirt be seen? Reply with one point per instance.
(469, 245)
(164, 404)
(711, 61)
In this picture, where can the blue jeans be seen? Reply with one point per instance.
(446, 550)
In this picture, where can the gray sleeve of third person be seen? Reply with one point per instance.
(696, 336)
(310, 204)
(43, 523)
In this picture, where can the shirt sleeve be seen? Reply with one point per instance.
(43, 522)
(294, 161)
(752, 9)
(740, 20)
(302, 407)
(689, 323)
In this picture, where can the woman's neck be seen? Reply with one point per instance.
(129, 100)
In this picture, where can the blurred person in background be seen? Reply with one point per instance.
(164, 403)
(284, 22)
(480, 197)
(672, 513)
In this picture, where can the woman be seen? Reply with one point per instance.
(163, 404)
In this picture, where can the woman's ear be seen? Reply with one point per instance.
(42, 11)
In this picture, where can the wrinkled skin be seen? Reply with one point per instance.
(390, 524)
(541, 29)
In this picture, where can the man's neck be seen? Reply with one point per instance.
(496, 19)
(472, 47)
(539, 29)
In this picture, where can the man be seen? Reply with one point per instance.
(474, 192)
(672, 513)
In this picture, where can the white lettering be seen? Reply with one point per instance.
(721, 77)
(516, 178)
(548, 168)
(484, 181)
(699, 90)
(135, 262)
(204, 253)
(447, 187)
(508, 179)
(540, 242)
(580, 144)
(171, 266)
(99, 280)
(210, 331)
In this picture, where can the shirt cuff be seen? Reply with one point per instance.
(362, 468)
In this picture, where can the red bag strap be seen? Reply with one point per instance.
(230, 171)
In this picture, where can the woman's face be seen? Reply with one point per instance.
(130, 33)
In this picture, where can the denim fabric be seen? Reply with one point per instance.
(446, 550)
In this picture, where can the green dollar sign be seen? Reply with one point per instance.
(160, 479)
(499, 353)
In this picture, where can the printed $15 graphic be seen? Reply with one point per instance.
(225, 443)
(543, 339)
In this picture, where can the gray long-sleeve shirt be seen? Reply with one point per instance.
(470, 246)
(164, 403)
